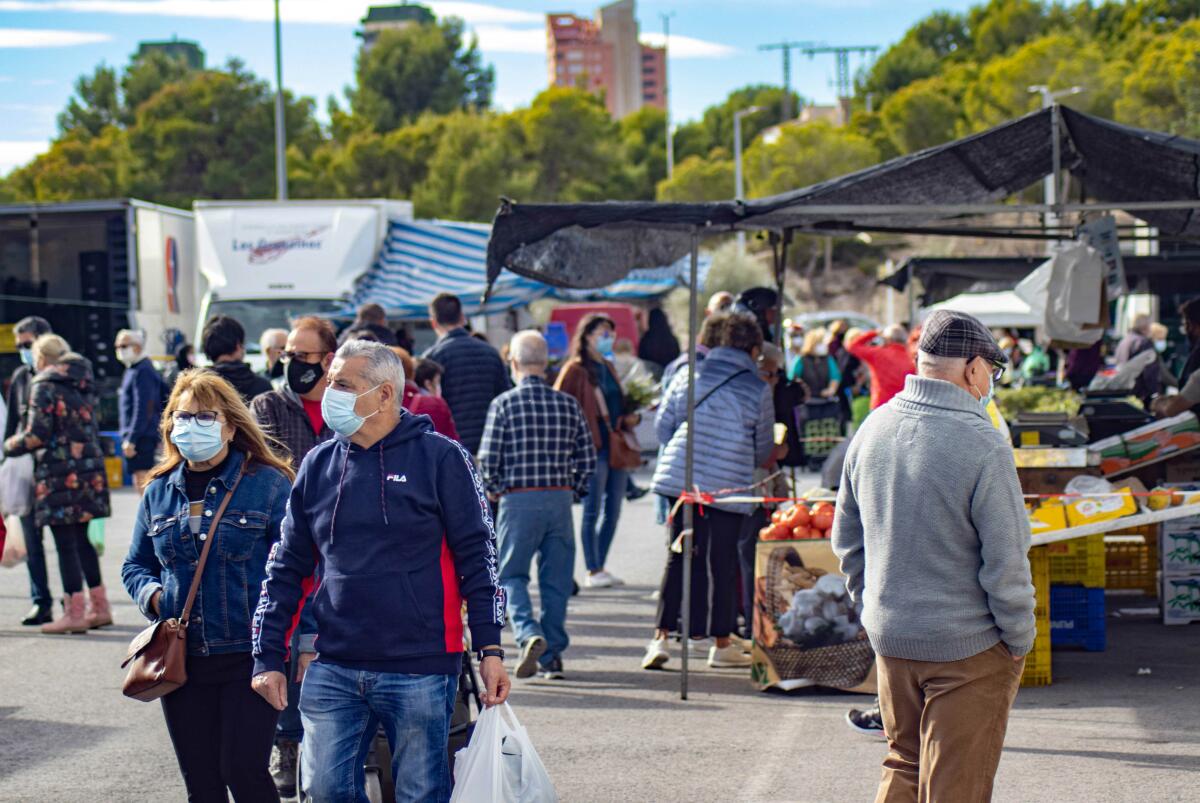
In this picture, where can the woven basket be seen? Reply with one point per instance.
(838, 666)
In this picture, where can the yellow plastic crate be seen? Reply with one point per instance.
(114, 467)
(1133, 566)
(1037, 662)
(1079, 561)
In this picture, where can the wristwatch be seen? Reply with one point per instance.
(494, 652)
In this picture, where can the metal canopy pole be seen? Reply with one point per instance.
(689, 511)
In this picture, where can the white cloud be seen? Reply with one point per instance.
(14, 153)
(293, 11)
(686, 47)
(45, 37)
(503, 39)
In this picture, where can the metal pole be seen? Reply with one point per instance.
(666, 21)
(689, 512)
(281, 188)
(737, 175)
(787, 84)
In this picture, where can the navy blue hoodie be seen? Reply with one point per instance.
(403, 534)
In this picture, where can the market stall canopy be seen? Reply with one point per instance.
(942, 278)
(420, 259)
(995, 310)
(592, 245)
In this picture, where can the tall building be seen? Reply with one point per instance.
(392, 18)
(190, 53)
(605, 55)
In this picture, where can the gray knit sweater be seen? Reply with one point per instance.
(931, 529)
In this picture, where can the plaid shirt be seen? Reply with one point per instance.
(536, 437)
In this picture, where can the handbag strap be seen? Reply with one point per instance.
(720, 385)
(186, 615)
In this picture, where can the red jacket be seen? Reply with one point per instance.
(435, 407)
(889, 364)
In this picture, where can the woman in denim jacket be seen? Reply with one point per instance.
(221, 729)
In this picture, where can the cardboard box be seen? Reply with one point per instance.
(1095, 509)
(1112, 453)
(1162, 439)
(1047, 517)
(1180, 546)
(1181, 598)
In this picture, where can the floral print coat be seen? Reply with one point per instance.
(60, 429)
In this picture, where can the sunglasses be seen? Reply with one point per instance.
(205, 418)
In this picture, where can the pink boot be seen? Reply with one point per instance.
(99, 612)
(74, 618)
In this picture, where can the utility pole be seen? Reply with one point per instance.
(786, 48)
(842, 57)
(666, 21)
(1050, 183)
(281, 188)
(737, 166)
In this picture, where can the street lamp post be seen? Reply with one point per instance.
(281, 188)
(738, 191)
(666, 21)
(1050, 183)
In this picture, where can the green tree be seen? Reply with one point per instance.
(1004, 25)
(715, 128)
(417, 69)
(643, 141)
(472, 166)
(211, 135)
(920, 115)
(78, 166)
(144, 77)
(572, 144)
(94, 105)
(1162, 92)
(697, 179)
(804, 155)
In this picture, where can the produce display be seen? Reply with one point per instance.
(799, 522)
(1037, 399)
(1148, 444)
(820, 615)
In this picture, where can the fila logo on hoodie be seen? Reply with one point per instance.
(397, 478)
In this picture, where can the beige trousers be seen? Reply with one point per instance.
(945, 725)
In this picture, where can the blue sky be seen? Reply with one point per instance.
(46, 44)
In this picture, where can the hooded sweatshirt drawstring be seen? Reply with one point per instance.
(337, 500)
(382, 488)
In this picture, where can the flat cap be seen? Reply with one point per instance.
(947, 333)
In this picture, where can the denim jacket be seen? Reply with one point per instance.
(164, 553)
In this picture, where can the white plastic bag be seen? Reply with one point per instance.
(16, 486)
(500, 764)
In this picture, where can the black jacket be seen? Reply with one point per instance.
(244, 381)
(281, 415)
(17, 401)
(474, 375)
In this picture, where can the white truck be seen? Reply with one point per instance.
(266, 262)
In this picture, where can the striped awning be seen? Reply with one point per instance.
(420, 259)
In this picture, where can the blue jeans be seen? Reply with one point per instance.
(342, 710)
(538, 523)
(606, 491)
(39, 583)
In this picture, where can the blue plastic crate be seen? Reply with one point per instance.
(1077, 617)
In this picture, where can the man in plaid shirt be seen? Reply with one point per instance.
(536, 457)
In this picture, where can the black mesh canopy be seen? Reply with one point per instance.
(593, 245)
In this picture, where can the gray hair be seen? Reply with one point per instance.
(32, 325)
(935, 365)
(895, 334)
(136, 335)
(383, 364)
(529, 349)
(267, 335)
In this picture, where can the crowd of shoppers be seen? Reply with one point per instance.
(140, 402)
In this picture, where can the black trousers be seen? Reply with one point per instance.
(222, 731)
(77, 561)
(714, 575)
(747, 547)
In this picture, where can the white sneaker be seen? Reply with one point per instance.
(730, 657)
(598, 580)
(617, 581)
(656, 654)
(698, 647)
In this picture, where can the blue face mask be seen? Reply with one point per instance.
(197, 443)
(986, 399)
(337, 408)
(27, 357)
(604, 345)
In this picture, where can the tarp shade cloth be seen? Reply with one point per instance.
(420, 259)
(943, 278)
(591, 245)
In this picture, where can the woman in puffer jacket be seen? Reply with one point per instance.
(70, 483)
(735, 417)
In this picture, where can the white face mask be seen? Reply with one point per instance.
(1160, 346)
(127, 355)
(821, 350)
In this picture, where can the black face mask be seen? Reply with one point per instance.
(276, 370)
(302, 376)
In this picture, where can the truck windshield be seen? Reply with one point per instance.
(258, 315)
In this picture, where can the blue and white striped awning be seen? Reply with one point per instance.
(420, 259)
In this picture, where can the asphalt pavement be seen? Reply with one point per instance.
(1103, 732)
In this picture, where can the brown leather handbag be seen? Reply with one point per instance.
(157, 656)
(624, 451)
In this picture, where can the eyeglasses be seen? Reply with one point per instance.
(997, 370)
(205, 418)
(303, 356)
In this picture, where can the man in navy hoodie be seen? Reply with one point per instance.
(396, 518)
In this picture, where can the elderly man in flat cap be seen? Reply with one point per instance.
(933, 538)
